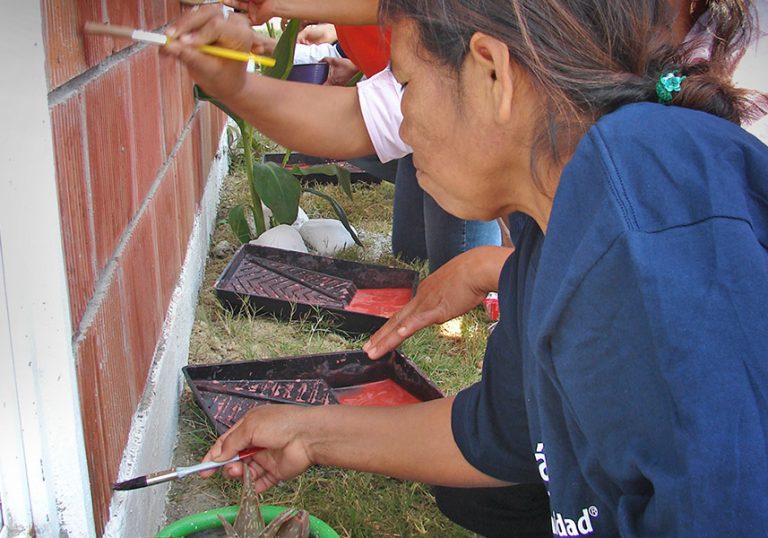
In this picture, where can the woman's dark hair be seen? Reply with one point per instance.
(589, 57)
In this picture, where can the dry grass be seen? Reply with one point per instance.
(355, 504)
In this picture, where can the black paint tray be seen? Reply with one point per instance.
(294, 285)
(331, 372)
(358, 175)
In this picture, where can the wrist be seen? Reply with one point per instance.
(285, 10)
(490, 261)
(239, 96)
(308, 433)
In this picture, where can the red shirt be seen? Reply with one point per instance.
(366, 46)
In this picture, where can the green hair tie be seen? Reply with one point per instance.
(667, 85)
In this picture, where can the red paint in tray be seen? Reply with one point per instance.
(378, 393)
(382, 302)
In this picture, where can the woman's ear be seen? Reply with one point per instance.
(493, 66)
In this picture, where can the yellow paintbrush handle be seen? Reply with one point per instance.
(230, 54)
(160, 39)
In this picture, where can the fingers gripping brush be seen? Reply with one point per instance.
(180, 472)
(161, 39)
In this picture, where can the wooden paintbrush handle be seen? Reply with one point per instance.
(108, 29)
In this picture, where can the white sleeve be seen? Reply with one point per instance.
(312, 54)
(380, 104)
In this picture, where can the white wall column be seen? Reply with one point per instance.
(40, 409)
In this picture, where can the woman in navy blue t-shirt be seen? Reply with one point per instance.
(628, 373)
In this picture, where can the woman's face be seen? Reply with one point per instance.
(461, 152)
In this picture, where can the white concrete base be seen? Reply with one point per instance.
(154, 426)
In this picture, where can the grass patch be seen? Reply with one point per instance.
(355, 504)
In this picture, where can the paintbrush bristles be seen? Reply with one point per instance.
(133, 483)
(108, 29)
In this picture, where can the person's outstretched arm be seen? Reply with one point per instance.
(313, 119)
(410, 442)
(454, 289)
(335, 11)
(317, 120)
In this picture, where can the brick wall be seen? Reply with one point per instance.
(133, 152)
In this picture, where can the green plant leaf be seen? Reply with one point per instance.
(284, 52)
(271, 30)
(357, 77)
(342, 174)
(239, 224)
(279, 190)
(286, 158)
(339, 212)
(200, 95)
(246, 141)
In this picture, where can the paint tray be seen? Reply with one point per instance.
(358, 175)
(226, 391)
(354, 297)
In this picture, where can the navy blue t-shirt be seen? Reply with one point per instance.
(629, 370)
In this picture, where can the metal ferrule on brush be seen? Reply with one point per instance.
(162, 476)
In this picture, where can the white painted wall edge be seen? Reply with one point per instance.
(55, 475)
(154, 425)
(16, 510)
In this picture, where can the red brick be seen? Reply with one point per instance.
(206, 127)
(182, 229)
(77, 234)
(69, 52)
(185, 191)
(109, 145)
(123, 13)
(200, 169)
(187, 95)
(120, 393)
(148, 152)
(155, 13)
(139, 284)
(224, 119)
(172, 10)
(166, 213)
(219, 123)
(215, 132)
(204, 119)
(107, 398)
(90, 409)
(170, 85)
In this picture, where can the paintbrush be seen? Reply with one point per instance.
(180, 472)
(162, 39)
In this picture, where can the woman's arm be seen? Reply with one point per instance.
(454, 289)
(319, 120)
(411, 442)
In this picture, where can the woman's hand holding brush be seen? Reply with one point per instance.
(219, 77)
